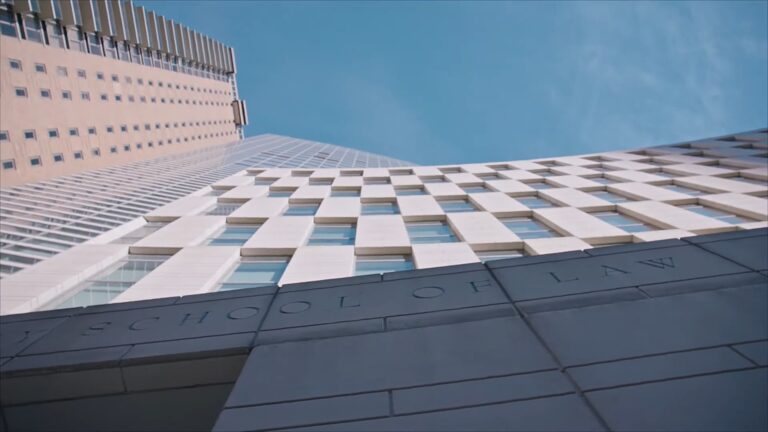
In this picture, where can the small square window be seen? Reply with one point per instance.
(534, 202)
(62, 71)
(9, 164)
(78, 155)
(4, 135)
(301, 210)
(45, 93)
(100, 76)
(140, 81)
(500, 254)
(255, 273)
(66, 95)
(113, 149)
(118, 98)
(91, 131)
(138, 146)
(81, 73)
(234, 235)
(15, 64)
(110, 129)
(96, 152)
(104, 97)
(29, 134)
(115, 78)
(123, 128)
(136, 127)
(85, 96)
(127, 147)
(74, 132)
(40, 68)
(58, 157)
(35, 161)
(53, 133)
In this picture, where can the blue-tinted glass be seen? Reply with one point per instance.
(345, 193)
(717, 214)
(454, 206)
(526, 228)
(437, 232)
(610, 196)
(223, 209)
(382, 264)
(624, 222)
(280, 194)
(379, 208)
(301, 210)
(540, 185)
(234, 236)
(255, 274)
(410, 191)
(497, 255)
(534, 202)
(475, 189)
(333, 235)
(682, 189)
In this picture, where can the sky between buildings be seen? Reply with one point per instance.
(444, 82)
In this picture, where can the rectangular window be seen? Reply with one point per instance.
(4, 135)
(78, 155)
(456, 206)
(81, 73)
(53, 133)
(123, 128)
(21, 91)
(627, 223)
(223, 209)
(345, 193)
(127, 147)
(34, 29)
(7, 23)
(433, 180)
(58, 157)
(301, 210)
(30, 134)
(109, 284)
(91, 131)
(540, 185)
(322, 182)
(527, 228)
(96, 152)
(110, 129)
(410, 191)
(62, 71)
(430, 232)
(113, 149)
(35, 161)
(9, 164)
(74, 132)
(104, 97)
(376, 181)
(255, 273)
(497, 255)
(717, 214)
(379, 209)
(85, 96)
(683, 190)
(40, 68)
(377, 264)
(336, 234)
(534, 202)
(609, 196)
(234, 235)
(45, 93)
(475, 189)
(115, 78)
(66, 95)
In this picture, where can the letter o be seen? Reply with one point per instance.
(428, 292)
(243, 312)
(295, 307)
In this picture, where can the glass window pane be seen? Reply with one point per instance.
(255, 273)
(430, 232)
(453, 206)
(683, 189)
(410, 191)
(301, 210)
(497, 255)
(382, 264)
(534, 202)
(223, 209)
(234, 236)
(333, 235)
(379, 208)
(610, 196)
(527, 228)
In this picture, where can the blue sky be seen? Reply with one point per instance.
(447, 82)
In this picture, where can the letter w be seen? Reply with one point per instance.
(660, 263)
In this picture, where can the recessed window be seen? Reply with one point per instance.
(665, 174)
(223, 209)
(336, 234)
(29, 134)
(321, 182)
(91, 131)
(379, 208)
(527, 228)
(14, 64)
(35, 161)
(609, 196)
(4, 135)
(430, 232)
(500, 254)
(110, 129)
(534, 202)
(21, 91)
(279, 194)
(61, 71)
(96, 152)
(81, 73)
(104, 97)
(113, 149)
(115, 78)
(66, 95)
(110, 283)
(123, 128)
(433, 180)
(475, 189)
(118, 98)
(100, 76)
(255, 273)
(410, 191)
(345, 193)
(78, 155)
(456, 206)
(682, 189)
(53, 133)
(126, 147)
(488, 176)
(40, 68)
(377, 264)
(58, 157)
(540, 185)
(234, 235)
(85, 96)
(45, 93)
(717, 214)
(9, 164)
(301, 210)
(376, 181)
(627, 223)
(74, 132)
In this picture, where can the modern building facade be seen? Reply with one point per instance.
(262, 227)
(92, 84)
(43, 218)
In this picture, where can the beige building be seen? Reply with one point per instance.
(90, 84)
(279, 226)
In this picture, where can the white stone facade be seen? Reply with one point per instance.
(424, 216)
